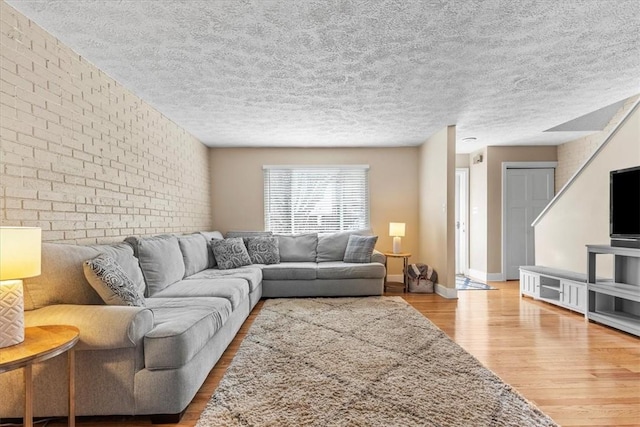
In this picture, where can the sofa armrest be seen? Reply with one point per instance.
(101, 326)
(378, 256)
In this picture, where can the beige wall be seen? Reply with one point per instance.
(580, 216)
(82, 157)
(238, 188)
(437, 205)
(463, 160)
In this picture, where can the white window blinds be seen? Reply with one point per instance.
(323, 199)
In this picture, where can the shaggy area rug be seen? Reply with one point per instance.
(373, 361)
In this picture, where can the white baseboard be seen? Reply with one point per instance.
(483, 276)
(444, 292)
(495, 277)
(478, 275)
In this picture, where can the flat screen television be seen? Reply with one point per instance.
(624, 206)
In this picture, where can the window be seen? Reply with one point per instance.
(324, 199)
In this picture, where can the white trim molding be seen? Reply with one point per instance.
(478, 275)
(484, 277)
(495, 277)
(445, 292)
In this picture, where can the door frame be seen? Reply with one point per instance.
(515, 165)
(462, 205)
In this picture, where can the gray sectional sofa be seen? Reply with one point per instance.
(152, 359)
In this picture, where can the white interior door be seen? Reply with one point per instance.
(527, 192)
(462, 197)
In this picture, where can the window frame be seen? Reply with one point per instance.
(365, 200)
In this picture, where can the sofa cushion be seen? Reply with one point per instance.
(160, 259)
(378, 256)
(209, 236)
(244, 234)
(344, 270)
(235, 290)
(360, 248)
(230, 253)
(331, 247)
(290, 271)
(183, 326)
(253, 275)
(298, 247)
(111, 282)
(102, 327)
(62, 280)
(263, 249)
(195, 253)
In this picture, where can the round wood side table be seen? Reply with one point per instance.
(41, 343)
(405, 256)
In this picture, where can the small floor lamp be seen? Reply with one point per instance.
(19, 259)
(396, 229)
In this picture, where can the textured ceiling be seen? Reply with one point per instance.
(360, 72)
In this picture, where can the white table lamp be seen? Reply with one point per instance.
(19, 258)
(396, 229)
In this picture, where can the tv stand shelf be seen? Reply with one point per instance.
(621, 290)
(615, 302)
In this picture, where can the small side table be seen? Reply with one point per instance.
(41, 343)
(405, 256)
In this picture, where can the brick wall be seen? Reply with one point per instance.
(572, 155)
(81, 156)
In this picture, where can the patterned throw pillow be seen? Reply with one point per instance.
(111, 282)
(230, 253)
(360, 248)
(263, 250)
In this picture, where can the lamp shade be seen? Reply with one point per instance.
(396, 229)
(19, 252)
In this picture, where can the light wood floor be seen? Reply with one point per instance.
(579, 373)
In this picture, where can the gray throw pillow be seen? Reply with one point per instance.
(360, 248)
(230, 253)
(263, 250)
(110, 281)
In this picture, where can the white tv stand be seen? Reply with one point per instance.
(615, 302)
(559, 287)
